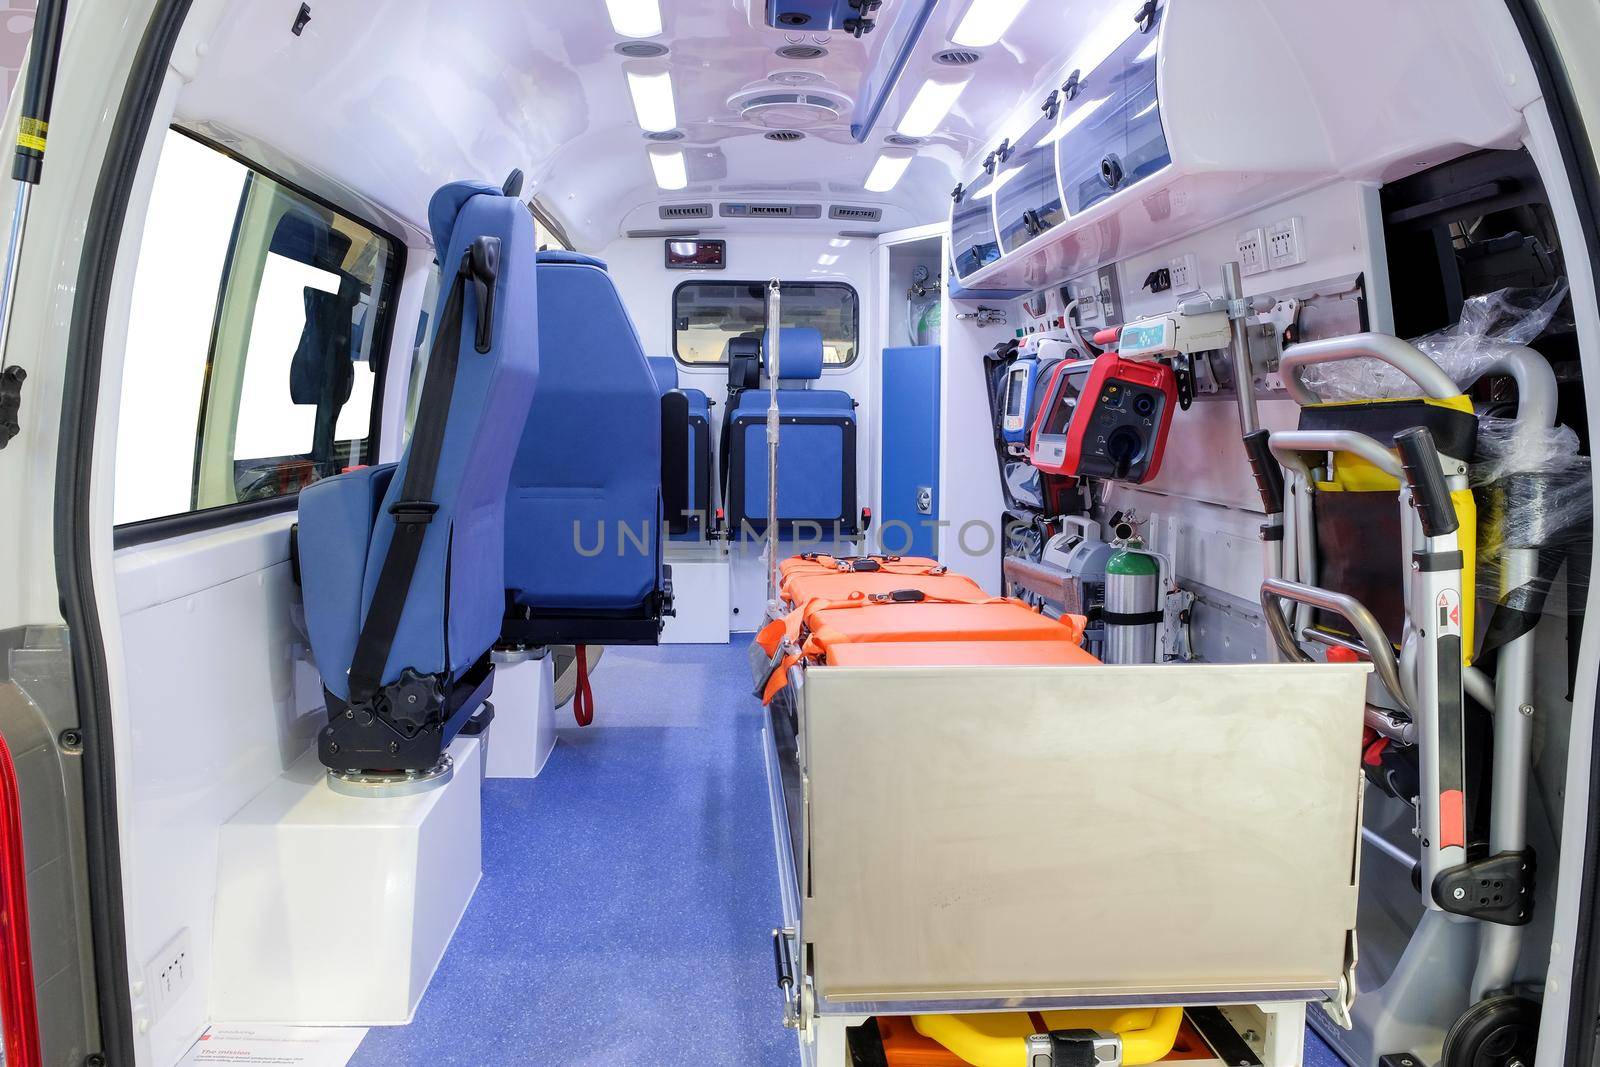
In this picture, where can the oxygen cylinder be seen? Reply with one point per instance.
(1132, 588)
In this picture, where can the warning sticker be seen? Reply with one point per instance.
(1449, 612)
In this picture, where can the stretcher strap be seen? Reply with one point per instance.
(583, 695)
(780, 639)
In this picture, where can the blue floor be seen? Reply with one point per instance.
(628, 893)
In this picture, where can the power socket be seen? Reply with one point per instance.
(1185, 273)
(169, 975)
(1252, 245)
(1285, 248)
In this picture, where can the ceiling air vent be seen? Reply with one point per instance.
(641, 49)
(786, 136)
(685, 211)
(842, 213)
(900, 140)
(789, 109)
(802, 51)
(664, 135)
(957, 57)
(772, 211)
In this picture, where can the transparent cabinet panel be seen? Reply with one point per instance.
(1110, 135)
(1027, 198)
(973, 244)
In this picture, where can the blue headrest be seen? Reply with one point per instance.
(665, 368)
(799, 353)
(558, 255)
(445, 206)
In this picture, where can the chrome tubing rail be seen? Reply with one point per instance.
(1274, 590)
(1401, 355)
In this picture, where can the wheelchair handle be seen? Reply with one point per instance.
(1347, 607)
(1269, 475)
(1420, 460)
(1288, 446)
(1400, 355)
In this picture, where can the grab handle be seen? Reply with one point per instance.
(1420, 459)
(1269, 475)
(1347, 607)
(1400, 355)
(1288, 445)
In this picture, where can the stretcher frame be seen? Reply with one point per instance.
(927, 731)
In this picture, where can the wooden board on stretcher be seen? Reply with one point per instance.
(1079, 835)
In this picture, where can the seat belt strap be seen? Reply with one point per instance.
(414, 510)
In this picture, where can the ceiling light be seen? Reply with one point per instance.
(887, 171)
(671, 170)
(652, 100)
(635, 18)
(929, 107)
(986, 21)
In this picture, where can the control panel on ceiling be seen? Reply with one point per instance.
(696, 255)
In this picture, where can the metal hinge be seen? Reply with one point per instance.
(11, 380)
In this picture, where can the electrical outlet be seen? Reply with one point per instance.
(1284, 245)
(169, 975)
(1252, 246)
(1185, 272)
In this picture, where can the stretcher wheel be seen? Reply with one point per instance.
(1497, 1032)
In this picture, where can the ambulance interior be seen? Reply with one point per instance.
(920, 532)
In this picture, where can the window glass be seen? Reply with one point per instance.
(251, 362)
(706, 315)
(421, 345)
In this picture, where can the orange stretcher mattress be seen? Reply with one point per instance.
(999, 620)
(815, 629)
(837, 585)
(960, 654)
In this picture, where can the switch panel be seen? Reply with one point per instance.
(1285, 247)
(1252, 246)
(1185, 271)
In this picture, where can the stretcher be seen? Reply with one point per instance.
(813, 631)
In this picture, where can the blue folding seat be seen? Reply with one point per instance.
(400, 563)
(816, 446)
(692, 525)
(584, 527)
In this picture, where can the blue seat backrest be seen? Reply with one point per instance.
(590, 458)
(665, 369)
(456, 600)
(816, 442)
(799, 353)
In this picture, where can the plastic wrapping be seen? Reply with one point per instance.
(1464, 351)
(1535, 513)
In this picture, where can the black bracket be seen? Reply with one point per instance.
(1183, 374)
(1052, 104)
(1074, 83)
(1003, 153)
(300, 20)
(955, 194)
(989, 161)
(1146, 18)
(1497, 889)
(11, 380)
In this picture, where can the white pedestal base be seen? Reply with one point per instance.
(699, 596)
(524, 728)
(335, 910)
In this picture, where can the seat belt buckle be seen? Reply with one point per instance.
(414, 512)
(900, 596)
(1074, 1048)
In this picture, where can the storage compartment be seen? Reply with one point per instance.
(973, 243)
(1027, 197)
(1110, 135)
